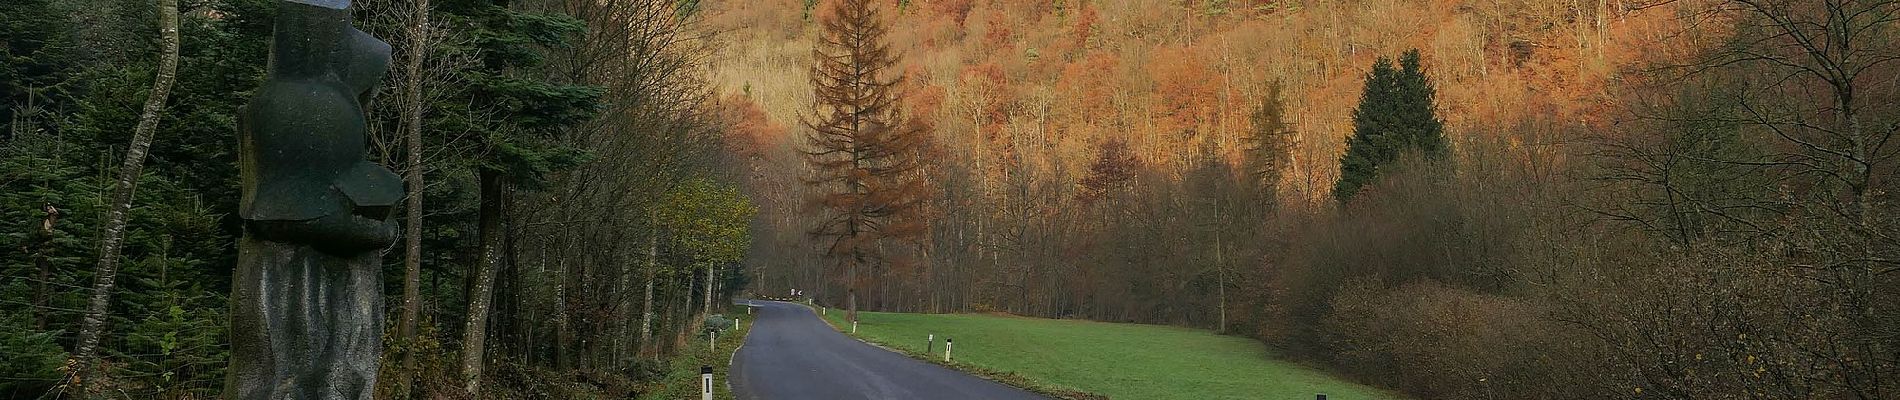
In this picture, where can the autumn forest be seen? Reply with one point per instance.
(1524, 199)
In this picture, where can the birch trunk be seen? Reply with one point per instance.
(113, 240)
(709, 289)
(412, 206)
(646, 302)
(475, 334)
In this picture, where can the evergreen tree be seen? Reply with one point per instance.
(865, 154)
(519, 116)
(36, 56)
(1395, 117)
(1269, 145)
(50, 207)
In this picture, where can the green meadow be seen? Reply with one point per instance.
(1074, 358)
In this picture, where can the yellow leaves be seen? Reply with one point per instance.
(708, 218)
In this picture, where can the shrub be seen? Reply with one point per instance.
(30, 360)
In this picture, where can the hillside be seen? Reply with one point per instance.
(1036, 85)
(1604, 199)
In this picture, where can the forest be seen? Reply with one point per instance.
(1449, 198)
(1552, 199)
(569, 194)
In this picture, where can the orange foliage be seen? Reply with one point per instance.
(1084, 27)
(1185, 91)
(1171, 77)
(998, 36)
(950, 10)
(989, 100)
(753, 134)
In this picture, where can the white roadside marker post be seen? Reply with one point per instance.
(946, 349)
(854, 327)
(930, 343)
(705, 382)
(712, 341)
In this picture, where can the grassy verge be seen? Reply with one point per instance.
(1085, 359)
(682, 377)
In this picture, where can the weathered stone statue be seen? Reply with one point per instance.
(307, 298)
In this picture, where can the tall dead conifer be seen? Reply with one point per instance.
(864, 154)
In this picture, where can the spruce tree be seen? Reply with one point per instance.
(518, 116)
(1269, 145)
(1395, 117)
(864, 153)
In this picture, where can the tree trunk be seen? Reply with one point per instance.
(622, 312)
(562, 338)
(1220, 275)
(506, 302)
(476, 333)
(709, 289)
(113, 240)
(646, 302)
(412, 206)
(851, 290)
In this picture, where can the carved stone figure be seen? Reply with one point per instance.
(307, 297)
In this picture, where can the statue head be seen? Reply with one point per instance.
(314, 40)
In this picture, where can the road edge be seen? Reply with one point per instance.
(733, 359)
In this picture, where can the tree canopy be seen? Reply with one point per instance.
(1396, 117)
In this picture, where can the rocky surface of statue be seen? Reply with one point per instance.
(307, 298)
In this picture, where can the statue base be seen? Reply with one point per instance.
(306, 325)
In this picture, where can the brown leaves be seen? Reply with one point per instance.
(866, 157)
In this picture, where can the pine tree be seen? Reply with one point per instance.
(36, 55)
(1112, 174)
(1395, 116)
(519, 117)
(1269, 145)
(865, 154)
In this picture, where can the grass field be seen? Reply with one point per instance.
(1122, 361)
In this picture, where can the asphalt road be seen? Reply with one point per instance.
(791, 354)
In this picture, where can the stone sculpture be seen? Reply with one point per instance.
(307, 305)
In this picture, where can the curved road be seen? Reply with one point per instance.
(791, 354)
